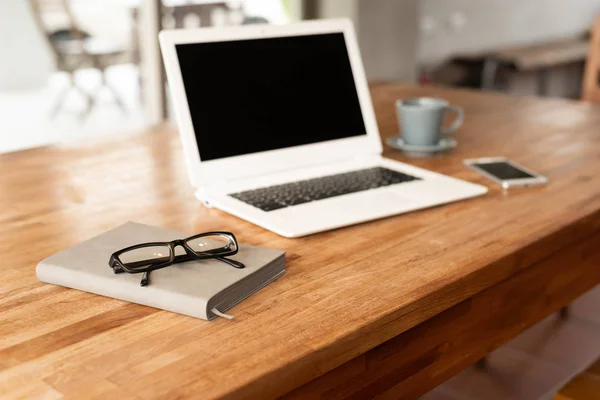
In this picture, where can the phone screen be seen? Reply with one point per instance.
(503, 170)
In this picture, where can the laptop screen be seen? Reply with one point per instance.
(248, 96)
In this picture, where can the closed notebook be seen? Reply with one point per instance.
(197, 288)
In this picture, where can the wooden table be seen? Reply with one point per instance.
(539, 57)
(392, 307)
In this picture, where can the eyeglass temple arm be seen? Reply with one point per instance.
(233, 263)
(236, 264)
(145, 278)
(189, 257)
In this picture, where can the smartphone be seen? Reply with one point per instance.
(506, 173)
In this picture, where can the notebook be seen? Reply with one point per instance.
(202, 289)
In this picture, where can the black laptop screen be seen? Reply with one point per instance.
(247, 96)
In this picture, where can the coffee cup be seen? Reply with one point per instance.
(421, 119)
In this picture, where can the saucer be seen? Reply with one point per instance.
(397, 143)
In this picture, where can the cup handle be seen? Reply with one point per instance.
(460, 116)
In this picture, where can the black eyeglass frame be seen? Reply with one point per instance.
(190, 255)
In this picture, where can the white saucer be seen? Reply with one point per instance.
(397, 143)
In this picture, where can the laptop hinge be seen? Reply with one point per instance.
(201, 192)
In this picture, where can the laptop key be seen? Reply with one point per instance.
(290, 194)
(271, 206)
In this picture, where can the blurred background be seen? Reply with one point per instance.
(74, 69)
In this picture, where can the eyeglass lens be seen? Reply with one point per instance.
(145, 256)
(212, 244)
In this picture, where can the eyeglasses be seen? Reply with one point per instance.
(147, 257)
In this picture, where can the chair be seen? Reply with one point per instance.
(590, 90)
(75, 49)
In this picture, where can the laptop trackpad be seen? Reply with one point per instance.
(375, 202)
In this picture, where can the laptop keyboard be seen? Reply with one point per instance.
(290, 194)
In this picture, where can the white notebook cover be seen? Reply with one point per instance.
(191, 288)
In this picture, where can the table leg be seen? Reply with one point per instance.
(482, 363)
(488, 74)
(542, 82)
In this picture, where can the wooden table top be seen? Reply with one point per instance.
(539, 55)
(345, 292)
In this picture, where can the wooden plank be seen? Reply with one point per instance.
(346, 291)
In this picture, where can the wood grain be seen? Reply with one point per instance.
(346, 292)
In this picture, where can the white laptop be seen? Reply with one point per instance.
(278, 129)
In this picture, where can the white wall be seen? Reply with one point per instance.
(450, 26)
(388, 34)
(25, 59)
(339, 8)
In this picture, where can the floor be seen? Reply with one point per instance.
(584, 386)
(535, 364)
(25, 116)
